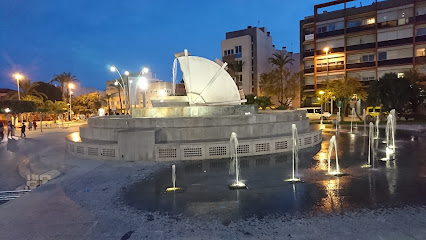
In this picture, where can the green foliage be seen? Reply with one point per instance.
(284, 87)
(27, 88)
(87, 103)
(251, 99)
(64, 79)
(52, 93)
(17, 106)
(282, 107)
(235, 67)
(395, 93)
(263, 102)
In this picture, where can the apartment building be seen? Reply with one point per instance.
(251, 47)
(361, 42)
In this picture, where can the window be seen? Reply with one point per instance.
(421, 31)
(224, 53)
(332, 27)
(232, 51)
(383, 56)
(368, 58)
(310, 110)
(239, 49)
(354, 23)
(400, 75)
(322, 29)
(309, 31)
(420, 52)
(371, 21)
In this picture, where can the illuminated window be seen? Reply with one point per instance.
(400, 75)
(420, 52)
(371, 21)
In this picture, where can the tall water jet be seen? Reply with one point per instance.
(333, 144)
(370, 162)
(352, 117)
(295, 155)
(234, 167)
(390, 138)
(173, 188)
(365, 122)
(377, 127)
(174, 72)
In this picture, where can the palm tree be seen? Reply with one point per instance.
(280, 60)
(64, 79)
(27, 88)
(235, 67)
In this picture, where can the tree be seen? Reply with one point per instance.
(344, 89)
(234, 68)
(27, 88)
(280, 60)
(395, 93)
(286, 90)
(64, 79)
(87, 104)
(52, 93)
(16, 106)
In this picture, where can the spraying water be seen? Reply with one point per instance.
(370, 162)
(377, 126)
(390, 134)
(352, 117)
(234, 167)
(333, 144)
(295, 154)
(174, 76)
(174, 176)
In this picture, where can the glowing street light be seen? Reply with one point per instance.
(143, 84)
(321, 92)
(127, 73)
(7, 110)
(145, 70)
(18, 77)
(112, 69)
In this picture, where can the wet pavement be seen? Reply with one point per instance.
(398, 183)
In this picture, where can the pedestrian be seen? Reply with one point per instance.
(10, 128)
(23, 130)
(30, 125)
(35, 125)
(1, 131)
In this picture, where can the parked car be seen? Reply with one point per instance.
(314, 113)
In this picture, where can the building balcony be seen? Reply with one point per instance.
(395, 42)
(330, 33)
(361, 46)
(360, 28)
(330, 68)
(398, 61)
(421, 38)
(395, 23)
(309, 87)
(332, 50)
(308, 70)
(421, 18)
(421, 60)
(308, 54)
(360, 65)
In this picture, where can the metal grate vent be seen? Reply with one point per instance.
(107, 152)
(281, 145)
(167, 153)
(71, 148)
(308, 141)
(243, 149)
(192, 152)
(92, 151)
(217, 151)
(316, 138)
(80, 149)
(262, 147)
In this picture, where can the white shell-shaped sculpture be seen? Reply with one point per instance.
(207, 83)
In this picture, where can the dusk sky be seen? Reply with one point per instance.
(41, 38)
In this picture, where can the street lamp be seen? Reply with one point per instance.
(326, 50)
(18, 77)
(122, 85)
(321, 93)
(70, 86)
(143, 84)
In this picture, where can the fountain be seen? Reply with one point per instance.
(234, 167)
(377, 127)
(333, 144)
(295, 155)
(390, 138)
(174, 188)
(370, 162)
(352, 117)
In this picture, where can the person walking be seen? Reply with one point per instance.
(30, 125)
(10, 128)
(35, 125)
(23, 130)
(1, 131)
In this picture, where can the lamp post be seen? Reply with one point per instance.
(70, 86)
(326, 50)
(143, 71)
(322, 99)
(122, 85)
(143, 84)
(18, 77)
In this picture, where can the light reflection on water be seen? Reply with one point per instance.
(392, 183)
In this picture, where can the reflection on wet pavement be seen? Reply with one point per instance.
(391, 184)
